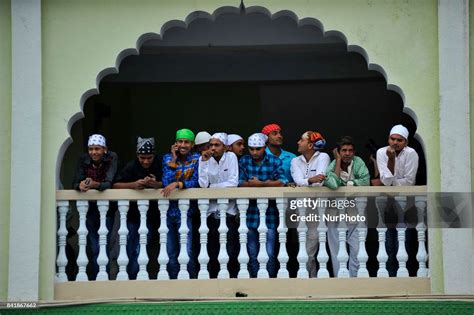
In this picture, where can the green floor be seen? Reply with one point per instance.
(265, 307)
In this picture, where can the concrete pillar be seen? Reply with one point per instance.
(25, 214)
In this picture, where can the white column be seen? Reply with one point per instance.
(163, 258)
(342, 255)
(402, 255)
(382, 257)
(223, 258)
(82, 260)
(322, 256)
(454, 111)
(203, 257)
(282, 229)
(183, 257)
(362, 257)
(302, 253)
(61, 261)
(26, 170)
(242, 205)
(262, 229)
(142, 259)
(422, 255)
(102, 259)
(122, 260)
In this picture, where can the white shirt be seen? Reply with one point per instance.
(406, 165)
(225, 173)
(302, 170)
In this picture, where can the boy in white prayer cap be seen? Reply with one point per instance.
(235, 144)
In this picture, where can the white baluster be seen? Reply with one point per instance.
(163, 258)
(242, 205)
(402, 255)
(282, 229)
(183, 257)
(302, 253)
(203, 230)
(102, 259)
(322, 256)
(142, 259)
(422, 255)
(122, 260)
(382, 257)
(342, 255)
(61, 261)
(362, 257)
(262, 257)
(223, 258)
(82, 260)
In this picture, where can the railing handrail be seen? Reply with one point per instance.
(234, 193)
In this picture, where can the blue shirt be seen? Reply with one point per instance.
(186, 172)
(285, 158)
(270, 168)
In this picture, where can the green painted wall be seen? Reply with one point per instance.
(81, 38)
(5, 140)
(471, 87)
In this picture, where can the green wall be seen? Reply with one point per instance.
(471, 87)
(5, 140)
(81, 38)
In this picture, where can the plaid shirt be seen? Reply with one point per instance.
(269, 169)
(104, 173)
(186, 172)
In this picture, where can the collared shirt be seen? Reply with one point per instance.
(224, 173)
(301, 170)
(270, 168)
(406, 166)
(186, 172)
(285, 158)
(104, 173)
(357, 172)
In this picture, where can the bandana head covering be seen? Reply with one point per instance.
(233, 138)
(96, 139)
(221, 136)
(399, 130)
(185, 134)
(315, 138)
(202, 137)
(145, 145)
(269, 128)
(257, 140)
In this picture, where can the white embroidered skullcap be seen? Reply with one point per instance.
(257, 140)
(221, 136)
(399, 130)
(96, 139)
(202, 137)
(232, 138)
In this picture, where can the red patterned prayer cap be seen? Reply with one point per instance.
(269, 128)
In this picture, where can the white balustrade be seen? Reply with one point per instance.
(362, 257)
(143, 206)
(342, 255)
(102, 259)
(122, 260)
(302, 253)
(242, 205)
(262, 229)
(322, 256)
(82, 260)
(282, 229)
(203, 258)
(402, 255)
(183, 257)
(223, 258)
(61, 261)
(382, 257)
(163, 259)
(422, 255)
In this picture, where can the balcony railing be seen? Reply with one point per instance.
(69, 200)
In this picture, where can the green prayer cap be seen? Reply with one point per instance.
(185, 134)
